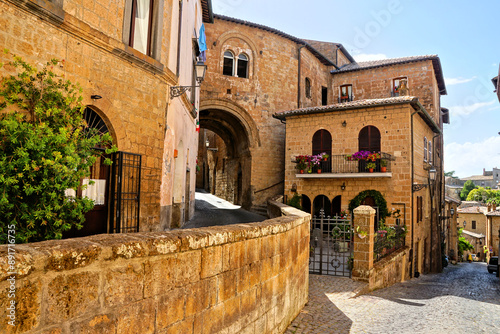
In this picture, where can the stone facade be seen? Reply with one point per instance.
(239, 109)
(250, 278)
(92, 39)
(398, 129)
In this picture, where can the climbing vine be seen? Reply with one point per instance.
(380, 202)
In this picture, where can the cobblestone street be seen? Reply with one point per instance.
(465, 298)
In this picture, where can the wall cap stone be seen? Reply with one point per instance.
(364, 210)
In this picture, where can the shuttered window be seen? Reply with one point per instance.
(419, 209)
(369, 139)
(322, 142)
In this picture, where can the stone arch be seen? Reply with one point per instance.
(106, 121)
(239, 133)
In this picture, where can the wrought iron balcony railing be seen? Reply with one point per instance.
(338, 164)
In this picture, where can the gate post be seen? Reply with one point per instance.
(364, 220)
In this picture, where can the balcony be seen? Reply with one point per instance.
(339, 166)
(345, 98)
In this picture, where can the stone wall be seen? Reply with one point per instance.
(391, 269)
(250, 278)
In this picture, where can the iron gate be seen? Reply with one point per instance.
(331, 246)
(125, 192)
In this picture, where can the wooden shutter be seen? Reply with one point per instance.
(322, 142)
(369, 139)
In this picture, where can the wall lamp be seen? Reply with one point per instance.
(95, 97)
(294, 188)
(452, 211)
(344, 124)
(432, 177)
(200, 69)
(342, 186)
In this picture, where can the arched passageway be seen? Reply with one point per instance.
(224, 152)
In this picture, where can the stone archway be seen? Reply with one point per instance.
(238, 133)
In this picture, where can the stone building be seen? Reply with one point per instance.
(370, 113)
(252, 72)
(449, 224)
(126, 57)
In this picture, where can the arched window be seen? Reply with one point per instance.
(322, 142)
(322, 202)
(306, 204)
(242, 66)
(425, 148)
(369, 139)
(337, 205)
(228, 63)
(308, 88)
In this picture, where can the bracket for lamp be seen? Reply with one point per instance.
(179, 90)
(416, 187)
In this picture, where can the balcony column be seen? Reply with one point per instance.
(364, 218)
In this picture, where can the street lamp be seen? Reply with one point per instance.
(432, 174)
(465, 223)
(452, 212)
(200, 69)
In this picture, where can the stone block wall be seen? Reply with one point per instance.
(250, 278)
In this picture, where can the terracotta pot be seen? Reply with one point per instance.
(301, 171)
(325, 159)
(370, 170)
(319, 171)
(383, 169)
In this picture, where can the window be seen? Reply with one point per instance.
(324, 96)
(429, 144)
(419, 209)
(228, 63)
(345, 93)
(425, 149)
(308, 88)
(141, 26)
(233, 66)
(242, 66)
(322, 142)
(397, 84)
(473, 224)
(369, 139)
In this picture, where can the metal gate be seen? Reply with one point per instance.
(125, 192)
(331, 246)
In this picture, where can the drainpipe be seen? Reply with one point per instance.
(298, 75)
(181, 5)
(412, 251)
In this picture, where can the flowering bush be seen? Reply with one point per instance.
(363, 155)
(308, 161)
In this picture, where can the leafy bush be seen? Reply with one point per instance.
(295, 201)
(45, 149)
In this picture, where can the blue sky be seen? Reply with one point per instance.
(464, 34)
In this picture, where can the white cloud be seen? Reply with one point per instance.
(467, 110)
(470, 158)
(456, 81)
(369, 56)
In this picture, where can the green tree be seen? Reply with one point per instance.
(450, 174)
(45, 149)
(468, 186)
(463, 244)
(481, 194)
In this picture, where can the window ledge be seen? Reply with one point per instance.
(344, 176)
(139, 58)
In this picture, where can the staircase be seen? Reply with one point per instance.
(259, 209)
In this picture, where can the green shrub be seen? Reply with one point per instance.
(45, 148)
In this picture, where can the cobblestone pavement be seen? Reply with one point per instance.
(465, 298)
(211, 210)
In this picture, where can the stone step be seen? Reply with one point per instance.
(259, 209)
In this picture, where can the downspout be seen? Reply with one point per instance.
(181, 5)
(412, 251)
(299, 76)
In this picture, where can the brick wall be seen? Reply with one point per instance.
(250, 278)
(377, 83)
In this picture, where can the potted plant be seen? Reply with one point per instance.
(325, 156)
(371, 166)
(302, 163)
(361, 234)
(315, 161)
(383, 166)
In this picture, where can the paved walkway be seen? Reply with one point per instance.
(211, 210)
(465, 298)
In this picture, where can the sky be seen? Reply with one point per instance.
(464, 34)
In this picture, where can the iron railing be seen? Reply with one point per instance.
(340, 164)
(386, 242)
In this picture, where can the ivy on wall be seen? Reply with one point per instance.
(380, 202)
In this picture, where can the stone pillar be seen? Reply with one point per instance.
(364, 220)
